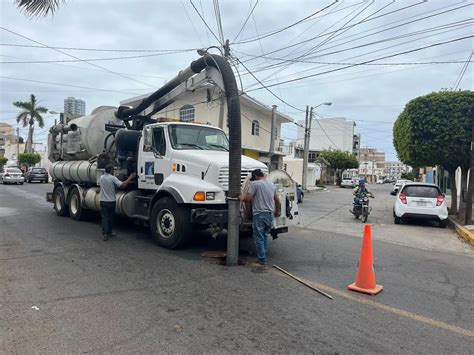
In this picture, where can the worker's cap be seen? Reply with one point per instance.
(257, 173)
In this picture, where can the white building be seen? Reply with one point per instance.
(395, 169)
(74, 106)
(329, 133)
(203, 105)
(294, 168)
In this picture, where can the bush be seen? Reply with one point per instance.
(29, 159)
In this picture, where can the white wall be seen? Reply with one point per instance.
(339, 130)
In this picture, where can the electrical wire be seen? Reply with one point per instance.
(99, 49)
(205, 23)
(245, 22)
(463, 71)
(365, 62)
(70, 55)
(286, 27)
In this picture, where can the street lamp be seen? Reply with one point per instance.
(307, 133)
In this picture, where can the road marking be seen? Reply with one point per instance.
(394, 310)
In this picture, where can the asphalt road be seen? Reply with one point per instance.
(63, 289)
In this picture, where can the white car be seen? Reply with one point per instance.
(422, 201)
(348, 182)
(398, 184)
(12, 176)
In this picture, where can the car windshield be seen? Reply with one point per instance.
(421, 191)
(197, 138)
(13, 171)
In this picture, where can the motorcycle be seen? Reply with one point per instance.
(362, 208)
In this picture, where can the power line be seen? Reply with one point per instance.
(217, 12)
(384, 30)
(246, 20)
(192, 23)
(70, 55)
(204, 21)
(99, 49)
(286, 27)
(66, 85)
(263, 86)
(90, 60)
(463, 71)
(365, 62)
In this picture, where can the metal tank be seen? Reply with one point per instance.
(125, 201)
(74, 171)
(84, 137)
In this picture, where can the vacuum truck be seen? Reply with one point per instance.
(183, 181)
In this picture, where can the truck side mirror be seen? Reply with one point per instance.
(147, 139)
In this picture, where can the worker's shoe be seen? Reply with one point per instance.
(105, 237)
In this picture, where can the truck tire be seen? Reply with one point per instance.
(169, 223)
(76, 211)
(59, 200)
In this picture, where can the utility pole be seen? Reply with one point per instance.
(306, 149)
(272, 134)
(17, 144)
(222, 99)
(470, 191)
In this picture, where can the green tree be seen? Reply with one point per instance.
(29, 159)
(31, 113)
(339, 161)
(412, 175)
(38, 7)
(435, 129)
(3, 161)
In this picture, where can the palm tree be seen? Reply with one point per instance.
(38, 7)
(31, 113)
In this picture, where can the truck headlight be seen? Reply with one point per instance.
(210, 195)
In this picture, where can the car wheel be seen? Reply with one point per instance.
(397, 220)
(443, 223)
(59, 201)
(21, 183)
(169, 224)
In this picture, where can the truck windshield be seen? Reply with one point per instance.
(197, 138)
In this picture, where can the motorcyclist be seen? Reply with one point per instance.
(360, 190)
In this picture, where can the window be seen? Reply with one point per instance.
(421, 191)
(159, 142)
(255, 128)
(186, 113)
(197, 138)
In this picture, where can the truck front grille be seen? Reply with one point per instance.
(224, 176)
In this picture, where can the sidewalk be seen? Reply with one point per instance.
(466, 232)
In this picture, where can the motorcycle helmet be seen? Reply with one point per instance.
(361, 181)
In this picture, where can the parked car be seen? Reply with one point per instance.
(348, 182)
(379, 182)
(299, 193)
(12, 176)
(397, 186)
(420, 200)
(37, 174)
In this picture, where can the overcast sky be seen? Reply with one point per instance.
(338, 35)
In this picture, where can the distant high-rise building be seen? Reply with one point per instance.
(74, 106)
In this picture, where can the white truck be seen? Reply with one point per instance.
(182, 169)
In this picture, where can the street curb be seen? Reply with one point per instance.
(462, 231)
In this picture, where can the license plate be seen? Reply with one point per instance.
(421, 203)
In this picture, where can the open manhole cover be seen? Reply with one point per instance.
(218, 254)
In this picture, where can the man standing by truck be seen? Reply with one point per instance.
(265, 204)
(108, 186)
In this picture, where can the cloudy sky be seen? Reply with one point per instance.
(366, 57)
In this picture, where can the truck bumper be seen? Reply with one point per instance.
(207, 216)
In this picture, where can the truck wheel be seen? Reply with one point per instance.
(59, 201)
(169, 224)
(76, 211)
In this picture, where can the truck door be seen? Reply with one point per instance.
(154, 161)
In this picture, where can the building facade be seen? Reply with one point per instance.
(203, 106)
(74, 106)
(329, 134)
(395, 169)
(371, 164)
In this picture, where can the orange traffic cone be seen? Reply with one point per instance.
(365, 278)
